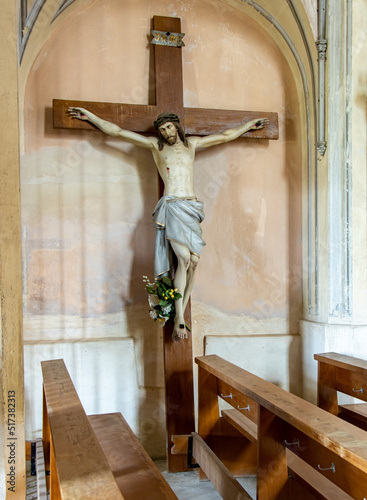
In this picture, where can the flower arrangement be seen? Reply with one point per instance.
(161, 297)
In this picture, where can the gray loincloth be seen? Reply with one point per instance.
(176, 219)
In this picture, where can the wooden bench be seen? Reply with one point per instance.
(274, 433)
(97, 457)
(345, 374)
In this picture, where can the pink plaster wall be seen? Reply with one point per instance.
(87, 200)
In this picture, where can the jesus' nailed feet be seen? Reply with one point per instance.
(179, 331)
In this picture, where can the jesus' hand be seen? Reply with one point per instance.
(260, 124)
(79, 113)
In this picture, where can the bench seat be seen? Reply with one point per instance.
(243, 424)
(320, 487)
(135, 473)
(355, 414)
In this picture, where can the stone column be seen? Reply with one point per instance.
(338, 322)
(12, 459)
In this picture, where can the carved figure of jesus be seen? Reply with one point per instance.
(178, 213)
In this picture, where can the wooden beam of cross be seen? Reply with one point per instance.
(168, 97)
(180, 417)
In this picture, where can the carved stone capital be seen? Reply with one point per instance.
(321, 148)
(321, 45)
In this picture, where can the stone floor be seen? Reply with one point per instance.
(31, 484)
(186, 485)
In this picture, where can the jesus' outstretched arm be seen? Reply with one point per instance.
(229, 134)
(110, 128)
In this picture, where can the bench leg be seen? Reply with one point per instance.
(208, 411)
(46, 437)
(272, 460)
(327, 396)
(208, 417)
(55, 493)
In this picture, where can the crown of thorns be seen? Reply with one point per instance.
(164, 118)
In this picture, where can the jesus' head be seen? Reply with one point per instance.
(169, 129)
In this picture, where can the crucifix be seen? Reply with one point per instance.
(198, 122)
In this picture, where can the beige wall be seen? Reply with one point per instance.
(87, 203)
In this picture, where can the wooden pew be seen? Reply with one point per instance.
(346, 374)
(288, 434)
(96, 457)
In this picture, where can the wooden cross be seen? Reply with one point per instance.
(196, 121)
(168, 97)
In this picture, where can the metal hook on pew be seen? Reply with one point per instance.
(229, 396)
(246, 408)
(358, 390)
(295, 443)
(327, 468)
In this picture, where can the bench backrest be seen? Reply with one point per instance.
(82, 468)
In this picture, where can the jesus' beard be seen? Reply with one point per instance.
(171, 140)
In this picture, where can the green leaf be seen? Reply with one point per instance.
(151, 290)
(166, 280)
